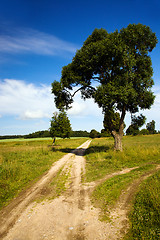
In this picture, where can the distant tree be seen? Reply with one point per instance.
(39, 134)
(131, 130)
(151, 127)
(79, 133)
(105, 133)
(60, 126)
(94, 134)
(136, 123)
(121, 64)
(144, 132)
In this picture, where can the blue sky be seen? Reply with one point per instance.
(38, 38)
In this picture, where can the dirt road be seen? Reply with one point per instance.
(70, 216)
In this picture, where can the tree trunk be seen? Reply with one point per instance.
(54, 139)
(118, 136)
(117, 141)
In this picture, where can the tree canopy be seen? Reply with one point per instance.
(136, 123)
(94, 134)
(151, 127)
(60, 125)
(114, 69)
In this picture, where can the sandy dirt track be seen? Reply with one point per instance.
(70, 216)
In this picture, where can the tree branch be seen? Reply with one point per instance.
(77, 91)
(81, 89)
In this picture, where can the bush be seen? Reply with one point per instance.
(144, 132)
(94, 134)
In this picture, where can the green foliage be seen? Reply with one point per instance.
(105, 133)
(120, 62)
(144, 132)
(38, 134)
(145, 216)
(94, 134)
(136, 123)
(79, 133)
(60, 125)
(111, 120)
(131, 130)
(44, 134)
(11, 137)
(151, 127)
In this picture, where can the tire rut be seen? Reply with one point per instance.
(119, 213)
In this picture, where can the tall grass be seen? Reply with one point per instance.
(106, 194)
(24, 161)
(138, 151)
(145, 216)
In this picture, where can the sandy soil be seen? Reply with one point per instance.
(70, 216)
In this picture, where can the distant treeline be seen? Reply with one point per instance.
(45, 134)
(92, 134)
(11, 136)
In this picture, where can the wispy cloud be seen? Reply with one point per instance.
(25, 101)
(33, 41)
(28, 101)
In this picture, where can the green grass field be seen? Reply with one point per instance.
(139, 151)
(22, 162)
(145, 215)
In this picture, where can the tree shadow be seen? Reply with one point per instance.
(98, 149)
(77, 151)
(64, 150)
(81, 151)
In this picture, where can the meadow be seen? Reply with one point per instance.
(142, 152)
(22, 162)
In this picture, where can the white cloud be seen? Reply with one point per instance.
(33, 41)
(24, 100)
(28, 101)
(34, 114)
(83, 108)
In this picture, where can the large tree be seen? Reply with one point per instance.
(60, 126)
(115, 70)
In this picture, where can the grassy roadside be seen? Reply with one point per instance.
(106, 195)
(145, 216)
(24, 161)
(138, 151)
